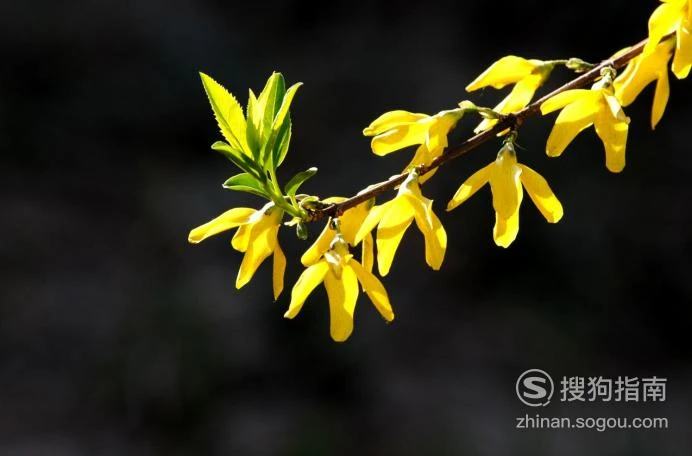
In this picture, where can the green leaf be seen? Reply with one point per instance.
(297, 180)
(271, 99)
(269, 104)
(254, 118)
(228, 113)
(246, 183)
(282, 142)
(277, 144)
(239, 159)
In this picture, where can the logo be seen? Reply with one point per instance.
(535, 388)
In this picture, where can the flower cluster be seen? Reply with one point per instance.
(257, 141)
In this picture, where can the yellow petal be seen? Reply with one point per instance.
(574, 118)
(613, 134)
(399, 137)
(442, 123)
(307, 282)
(507, 70)
(518, 99)
(352, 219)
(663, 21)
(391, 229)
(372, 219)
(505, 184)
(506, 230)
(262, 241)
(435, 238)
(241, 238)
(367, 252)
(540, 193)
(563, 99)
(229, 219)
(641, 71)
(278, 270)
(374, 289)
(391, 119)
(313, 254)
(682, 62)
(470, 186)
(661, 96)
(342, 295)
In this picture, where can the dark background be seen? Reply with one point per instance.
(117, 337)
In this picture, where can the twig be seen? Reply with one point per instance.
(509, 121)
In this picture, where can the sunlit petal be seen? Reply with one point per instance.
(278, 270)
(307, 282)
(507, 70)
(263, 238)
(505, 184)
(682, 62)
(506, 230)
(391, 229)
(613, 134)
(229, 219)
(470, 186)
(367, 252)
(372, 219)
(435, 239)
(574, 118)
(661, 96)
(540, 193)
(391, 119)
(343, 295)
(563, 99)
(398, 138)
(313, 254)
(374, 289)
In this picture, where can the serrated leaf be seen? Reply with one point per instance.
(254, 119)
(276, 145)
(282, 142)
(271, 99)
(269, 103)
(239, 159)
(228, 113)
(245, 182)
(297, 180)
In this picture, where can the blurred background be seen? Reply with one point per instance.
(117, 337)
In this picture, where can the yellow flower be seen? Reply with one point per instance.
(527, 75)
(340, 274)
(582, 108)
(349, 223)
(395, 130)
(506, 177)
(640, 72)
(393, 219)
(673, 16)
(256, 236)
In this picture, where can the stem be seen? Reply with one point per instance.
(511, 121)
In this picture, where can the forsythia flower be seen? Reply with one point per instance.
(341, 275)
(640, 72)
(506, 177)
(582, 108)
(393, 219)
(395, 130)
(527, 75)
(349, 223)
(673, 16)
(256, 236)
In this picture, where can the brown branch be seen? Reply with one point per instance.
(510, 121)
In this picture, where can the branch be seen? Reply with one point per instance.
(510, 121)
